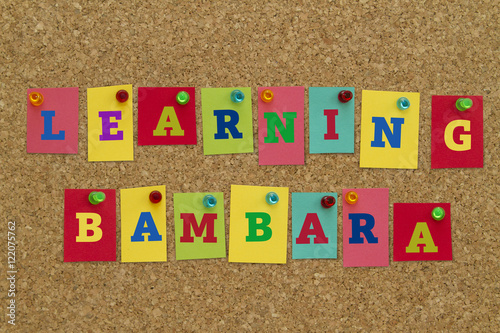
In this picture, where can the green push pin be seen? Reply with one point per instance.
(464, 104)
(182, 98)
(96, 198)
(438, 213)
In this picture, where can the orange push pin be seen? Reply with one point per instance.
(36, 98)
(351, 197)
(267, 95)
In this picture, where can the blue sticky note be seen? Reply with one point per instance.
(331, 122)
(314, 227)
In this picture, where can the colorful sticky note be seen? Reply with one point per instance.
(164, 121)
(258, 230)
(457, 136)
(281, 126)
(199, 230)
(314, 227)
(227, 125)
(389, 136)
(366, 228)
(143, 225)
(110, 129)
(418, 236)
(89, 230)
(331, 122)
(52, 127)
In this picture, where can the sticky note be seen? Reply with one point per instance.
(110, 129)
(366, 228)
(389, 136)
(331, 122)
(417, 236)
(258, 230)
(314, 227)
(89, 230)
(162, 120)
(143, 225)
(457, 136)
(227, 126)
(281, 127)
(199, 231)
(52, 127)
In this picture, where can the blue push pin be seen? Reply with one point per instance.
(237, 96)
(272, 198)
(403, 103)
(209, 201)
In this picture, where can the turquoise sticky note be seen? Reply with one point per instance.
(314, 227)
(331, 122)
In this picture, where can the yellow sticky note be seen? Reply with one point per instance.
(258, 230)
(110, 124)
(143, 225)
(389, 135)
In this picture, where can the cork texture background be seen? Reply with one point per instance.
(431, 47)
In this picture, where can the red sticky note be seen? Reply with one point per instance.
(366, 228)
(417, 236)
(52, 127)
(89, 230)
(162, 120)
(457, 136)
(281, 126)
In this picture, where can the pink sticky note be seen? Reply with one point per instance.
(281, 126)
(52, 127)
(366, 228)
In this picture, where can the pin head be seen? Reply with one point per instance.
(438, 213)
(463, 104)
(122, 96)
(327, 201)
(36, 98)
(182, 98)
(403, 103)
(345, 96)
(272, 198)
(351, 197)
(155, 196)
(209, 201)
(96, 197)
(267, 95)
(237, 96)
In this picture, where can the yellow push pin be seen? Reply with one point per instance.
(351, 197)
(267, 95)
(36, 98)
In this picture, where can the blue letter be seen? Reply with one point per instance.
(146, 227)
(222, 124)
(393, 137)
(47, 127)
(366, 229)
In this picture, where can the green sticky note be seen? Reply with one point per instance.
(227, 125)
(199, 231)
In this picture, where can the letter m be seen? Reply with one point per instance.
(207, 222)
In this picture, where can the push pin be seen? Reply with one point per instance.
(351, 197)
(438, 213)
(122, 96)
(209, 201)
(403, 103)
(463, 104)
(155, 196)
(272, 198)
(96, 198)
(36, 98)
(182, 98)
(267, 95)
(345, 96)
(237, 96)
(327, 201)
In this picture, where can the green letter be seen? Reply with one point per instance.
(274, 121)
(253, 226)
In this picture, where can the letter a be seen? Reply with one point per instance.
(421, 229)
(146, 225)
(168, 119)
(317, 230)
(84, 227)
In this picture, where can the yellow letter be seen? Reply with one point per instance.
(168, 119)
(421, 229)
(84, 227)
(465, 138)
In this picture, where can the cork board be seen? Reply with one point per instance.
(436, 48)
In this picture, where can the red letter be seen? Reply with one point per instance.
(330, 124)
(207, 222)
(317, 230)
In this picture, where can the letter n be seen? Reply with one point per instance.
(207, 222)
(394, 136)
(274, 122)
(316, 230)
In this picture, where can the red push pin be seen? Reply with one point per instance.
(122, 96)
(155, 196)
(345, 96)
(327, 201)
